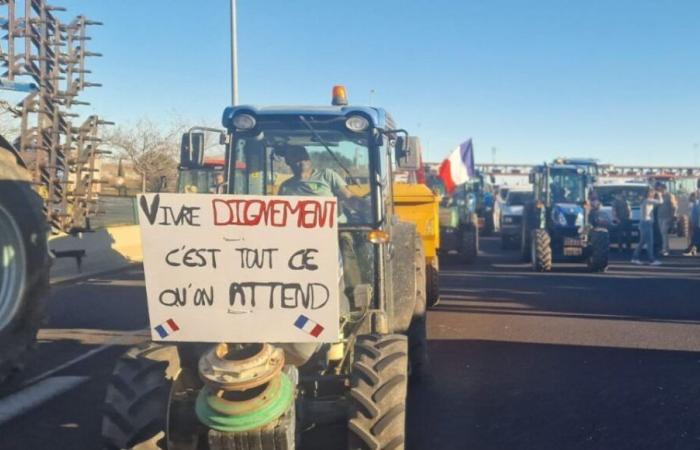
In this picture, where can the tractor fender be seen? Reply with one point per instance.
(404, 276)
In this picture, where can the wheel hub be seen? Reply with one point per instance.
(12, 268)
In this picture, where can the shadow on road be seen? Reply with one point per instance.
(563, 360)
(496, 395)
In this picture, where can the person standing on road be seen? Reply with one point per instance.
(694, 246)
(667, 212)
(646, 227)
(623, 213)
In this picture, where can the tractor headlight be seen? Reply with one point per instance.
(244, 122)
(507, 219)
(357, 123)
(579, 219)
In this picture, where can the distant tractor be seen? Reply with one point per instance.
(459, 223)
(556, 224)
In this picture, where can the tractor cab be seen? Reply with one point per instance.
(556, 223)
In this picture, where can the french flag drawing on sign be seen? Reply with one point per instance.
(166, 328)
(308, 326)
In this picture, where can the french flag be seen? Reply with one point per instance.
(308, 326)
(458, 167)
(166, 328)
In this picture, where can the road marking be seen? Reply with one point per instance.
(31, 397)
(118, 340)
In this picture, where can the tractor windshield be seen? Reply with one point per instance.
(315, 156)
(567, 186)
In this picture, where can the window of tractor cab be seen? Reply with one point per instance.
(198, 180)
(341, 169)
(566, 186)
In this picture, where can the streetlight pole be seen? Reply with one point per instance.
(234, 56)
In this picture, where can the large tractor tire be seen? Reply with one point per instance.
(683, 226)
(599, 250)
(25, 263)
(541, 251)
(432, 276)
(139, 401)
(377, 417)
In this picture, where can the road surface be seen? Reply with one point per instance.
(565, 360)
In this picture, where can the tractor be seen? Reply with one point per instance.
(351, 392)
(556, 223)
(459, 223)
(464, 215)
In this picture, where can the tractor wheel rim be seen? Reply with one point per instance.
(13, 261)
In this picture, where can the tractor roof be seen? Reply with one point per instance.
(579, 161)
(379, 117)
(561, 167)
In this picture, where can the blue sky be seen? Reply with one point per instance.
(618, 80)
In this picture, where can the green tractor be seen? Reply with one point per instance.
(556, 225)
(465, 215)
(459, 223)
(350, 393)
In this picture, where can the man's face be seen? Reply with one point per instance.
(298, 163)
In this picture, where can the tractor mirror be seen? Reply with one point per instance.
(408, 151)
(192, 149)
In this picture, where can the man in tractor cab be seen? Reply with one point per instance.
(310, 181)
(323, 183)
(219, 183)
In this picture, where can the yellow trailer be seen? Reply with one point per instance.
(418, 204)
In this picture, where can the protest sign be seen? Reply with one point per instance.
(225, 268)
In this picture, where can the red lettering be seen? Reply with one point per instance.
(221, 207)
(275, 213)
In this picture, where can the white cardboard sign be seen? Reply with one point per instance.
(241, 268)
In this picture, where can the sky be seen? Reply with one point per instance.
(616, 80)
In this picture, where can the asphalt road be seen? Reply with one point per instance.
(565, 360)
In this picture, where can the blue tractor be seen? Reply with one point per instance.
(556, 224)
